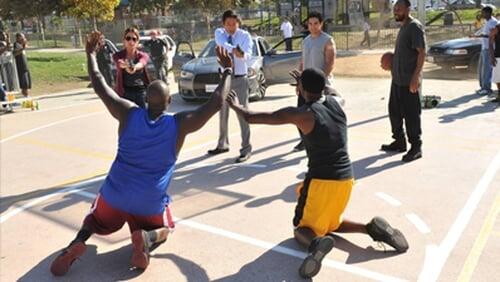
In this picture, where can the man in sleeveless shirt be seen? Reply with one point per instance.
(406, 71)
(495, 58)
(135, 190)
(318, 51)
(325, 192)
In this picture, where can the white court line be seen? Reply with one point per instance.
(71, 189)
(272, 246)
(48, 125)
(389, 199)
(419, 223)
(297, 168)
(432, 268)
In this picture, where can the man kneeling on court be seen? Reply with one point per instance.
(149, 142)
(325, 192)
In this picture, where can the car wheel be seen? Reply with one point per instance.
(261, 80)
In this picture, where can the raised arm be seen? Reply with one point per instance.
(191, 121)
(300, 117)
(117, 106)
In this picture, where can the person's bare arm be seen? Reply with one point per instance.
(117, 106)
(300, 117)
(493, 35)
(415, 81)
(330, 53)
(191, 121)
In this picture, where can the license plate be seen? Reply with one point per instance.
(430, 59)
(209, 88)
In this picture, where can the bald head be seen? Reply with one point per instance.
(158, 96)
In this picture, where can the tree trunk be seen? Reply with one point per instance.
(207, 19)
(94, 21)
(79, 31)
(41, 28)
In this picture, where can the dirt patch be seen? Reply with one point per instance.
(368, 65)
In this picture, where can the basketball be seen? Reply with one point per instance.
(386, 61)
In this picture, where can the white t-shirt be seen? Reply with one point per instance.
(366, 26)
(287, 28)
(488, 26)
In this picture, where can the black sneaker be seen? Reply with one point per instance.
(317, 251)
(396, 146)
(413, 154)
(380, 231)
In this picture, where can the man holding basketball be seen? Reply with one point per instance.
(406, 71)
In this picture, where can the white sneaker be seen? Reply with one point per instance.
(483, 92)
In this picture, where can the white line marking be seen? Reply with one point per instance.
(389, 199)
(284, 250)
(272, 246)
(48, 125)
(61, 107)
(86, 194)
(433, 268)
(250, 165)
(419, 223)
(70, 189)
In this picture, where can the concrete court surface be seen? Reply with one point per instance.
(234, 222)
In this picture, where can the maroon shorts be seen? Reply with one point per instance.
(104, 219)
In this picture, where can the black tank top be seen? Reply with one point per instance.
(497, 42)
(326, 144)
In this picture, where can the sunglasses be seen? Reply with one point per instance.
(128, 38)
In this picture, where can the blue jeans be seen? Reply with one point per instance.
(484, 71)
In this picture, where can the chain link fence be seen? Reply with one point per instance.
(197, 27)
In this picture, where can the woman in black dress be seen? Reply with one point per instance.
(23, 72)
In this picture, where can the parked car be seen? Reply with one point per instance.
(463, 4)
(199, 76)
(456, 52)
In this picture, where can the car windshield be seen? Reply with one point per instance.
(209, 50)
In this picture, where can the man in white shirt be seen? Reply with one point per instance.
(287, 29)
(366, 30)
(485, 68)
(239, 44)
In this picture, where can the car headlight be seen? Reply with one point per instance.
(456, 52)
(186, 75)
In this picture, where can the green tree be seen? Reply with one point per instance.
(19, 10)
(92, 9)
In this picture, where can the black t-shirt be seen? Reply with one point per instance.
(410, 37)
(135, 80)
(326, 144)
(158, 47)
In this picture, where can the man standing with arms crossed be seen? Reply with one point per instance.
(318, 51)
(404, 101)
(239, 44)
(485, 67)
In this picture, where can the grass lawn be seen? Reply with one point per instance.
(53, 72)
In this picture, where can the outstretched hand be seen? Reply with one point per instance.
(95, 41)
(223, 58)
(296, 75)
(232, 99)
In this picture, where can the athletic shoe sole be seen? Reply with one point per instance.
(140, 258)
(394, 237)
(312, 264)
(62, 263)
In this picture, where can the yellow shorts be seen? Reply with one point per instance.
(321, 203)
